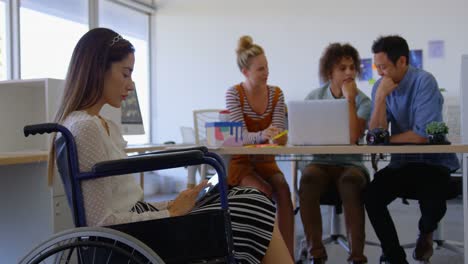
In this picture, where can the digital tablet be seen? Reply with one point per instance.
(211, 185)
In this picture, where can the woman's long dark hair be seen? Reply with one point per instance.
(92, 58)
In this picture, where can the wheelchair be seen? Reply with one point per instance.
(203, 237)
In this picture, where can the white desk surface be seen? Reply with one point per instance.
(25, 157)
(345, 149)
(22, 157)
(32, 156)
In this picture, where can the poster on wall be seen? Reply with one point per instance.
(416, 59)
(436, 49)
(366, 69)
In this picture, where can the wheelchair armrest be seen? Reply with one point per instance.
(149, 162)
(41, 129)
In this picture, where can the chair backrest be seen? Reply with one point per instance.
(200, 118)
(63, 161)
(188, 135)
(66, 159)
(67, 164)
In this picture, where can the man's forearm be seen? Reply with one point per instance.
(408, 137)
(355, 130)
(379, 115)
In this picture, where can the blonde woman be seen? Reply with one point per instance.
(261, 109)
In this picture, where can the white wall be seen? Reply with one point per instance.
(464, 98)
(195, 41)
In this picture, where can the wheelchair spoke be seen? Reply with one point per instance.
(91, 245)
(133, 254)
(80, 256)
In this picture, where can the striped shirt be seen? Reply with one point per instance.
(236, 113)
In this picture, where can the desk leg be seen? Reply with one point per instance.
(142, 181)
(142, 178)
(226, 159)
(192, 176)
(294, 183)
(465, 203)
(293, 195)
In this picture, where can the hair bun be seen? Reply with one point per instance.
(245, 43)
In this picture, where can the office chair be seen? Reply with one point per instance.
(200, 118)
(188, 137)
(455, 190)
(199, 237)
(332, 199)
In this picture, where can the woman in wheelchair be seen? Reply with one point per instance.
(100, 72)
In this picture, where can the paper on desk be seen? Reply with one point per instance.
(263, 146)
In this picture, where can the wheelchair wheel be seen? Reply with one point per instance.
(87, 245)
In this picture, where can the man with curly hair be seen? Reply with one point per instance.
(339, 67)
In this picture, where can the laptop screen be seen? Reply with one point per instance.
(318, 122)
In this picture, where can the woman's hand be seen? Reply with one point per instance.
(185, 201)
(282, 140)
(270, 132)
(386, 87)
(349, 89)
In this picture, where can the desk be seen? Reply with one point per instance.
(35, 157)
(347, 149)
(307, 150)
(22, 157)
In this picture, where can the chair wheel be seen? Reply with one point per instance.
(302, 257)
(91, 245)
(383, 259)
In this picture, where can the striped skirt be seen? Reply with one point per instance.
(252, 220)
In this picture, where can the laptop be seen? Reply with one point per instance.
(318, 122)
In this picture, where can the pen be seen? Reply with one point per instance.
(280, 134)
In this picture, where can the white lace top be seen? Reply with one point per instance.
(108, 200)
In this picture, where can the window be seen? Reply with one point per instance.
(3, 58)
(49, 32)
(133, 25)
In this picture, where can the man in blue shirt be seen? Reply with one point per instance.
(408, 99)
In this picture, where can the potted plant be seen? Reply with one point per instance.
(437, 132)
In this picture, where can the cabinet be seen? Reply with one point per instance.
(31, 210)
(25, 102)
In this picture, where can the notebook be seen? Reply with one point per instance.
(318, 122)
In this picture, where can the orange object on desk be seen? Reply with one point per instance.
(262, 146)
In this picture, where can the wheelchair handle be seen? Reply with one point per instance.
(41, 129)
